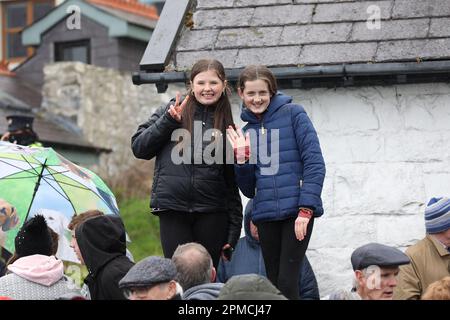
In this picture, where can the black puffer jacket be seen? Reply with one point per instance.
(207, 188)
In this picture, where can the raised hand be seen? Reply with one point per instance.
(240, 144)
(176, 110)
(5, 137)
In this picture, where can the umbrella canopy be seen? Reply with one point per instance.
(37, 179)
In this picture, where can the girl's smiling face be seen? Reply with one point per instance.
(207, 87)
(256, 96)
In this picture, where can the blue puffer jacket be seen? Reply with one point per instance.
(247, 258)
(297, 180)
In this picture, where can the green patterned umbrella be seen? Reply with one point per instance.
(32, 179)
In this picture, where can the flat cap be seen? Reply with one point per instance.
(379, 255)
(149, 271)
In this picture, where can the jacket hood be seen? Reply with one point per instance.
(206, 291)
(277, 101)
(101, 239)
(44, 270)
(250, 287)
(247, 219)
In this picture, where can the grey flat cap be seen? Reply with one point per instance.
(379, 255)
(149, 271)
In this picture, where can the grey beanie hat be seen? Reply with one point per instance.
(149, 271)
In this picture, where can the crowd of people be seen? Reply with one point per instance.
(203, 160)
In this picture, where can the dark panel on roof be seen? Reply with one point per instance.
(158, 50)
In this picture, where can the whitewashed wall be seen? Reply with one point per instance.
(387, 151)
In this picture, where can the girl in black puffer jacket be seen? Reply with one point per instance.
(194, 192)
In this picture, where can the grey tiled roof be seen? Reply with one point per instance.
(314, 32)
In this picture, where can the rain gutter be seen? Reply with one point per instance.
(343, 75)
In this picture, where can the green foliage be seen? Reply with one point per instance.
(142, 228)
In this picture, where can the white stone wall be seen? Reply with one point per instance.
(387, 152)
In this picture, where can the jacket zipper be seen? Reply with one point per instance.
(204, 119)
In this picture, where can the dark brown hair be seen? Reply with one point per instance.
(258, 72)
(222, 115)
(55, 239)
(79, 218)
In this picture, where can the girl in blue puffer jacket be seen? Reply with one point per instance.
(279, 164)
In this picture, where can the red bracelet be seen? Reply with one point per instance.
(305, 213)
(242, 158)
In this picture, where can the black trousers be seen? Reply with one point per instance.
(208, 229)
(283, 253)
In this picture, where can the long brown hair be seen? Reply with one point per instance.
(258, 72)
(222, 115)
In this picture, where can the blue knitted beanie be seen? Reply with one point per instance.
(437, 215)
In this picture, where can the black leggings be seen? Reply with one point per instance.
(208, 229)
(283, 253)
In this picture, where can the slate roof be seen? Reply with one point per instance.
(314, 32)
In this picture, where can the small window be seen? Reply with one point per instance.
(73, 51)
(16, 16)
(14, 47)
(40, 9)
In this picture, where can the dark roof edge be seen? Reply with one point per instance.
(327, 76)
(164, 36)
(79, 147)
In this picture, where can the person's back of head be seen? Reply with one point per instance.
(34, 238)
(100, 239)
(194, 265)
(438, 290)
(250, 287)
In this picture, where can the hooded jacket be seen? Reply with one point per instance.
(36, 277)
(298, 168)
(102, 245)
(206, 188)
(206, 291)
(247, 258)
(250, 287)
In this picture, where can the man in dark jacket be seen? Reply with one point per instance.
(247, 258)
(102, 245)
